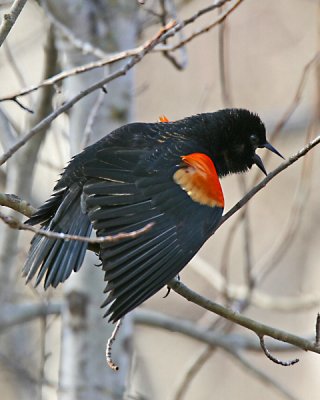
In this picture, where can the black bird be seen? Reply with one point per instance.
(166, 173)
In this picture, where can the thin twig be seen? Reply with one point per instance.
(25, 108)
(207, 28)
(15, 224)
(110, 341)
(274, 359)
(147, 47)
(122, 55)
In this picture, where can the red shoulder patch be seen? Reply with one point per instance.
(200, 180)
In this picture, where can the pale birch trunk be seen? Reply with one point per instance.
(111, 26)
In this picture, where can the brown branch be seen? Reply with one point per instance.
(258, 328)
(15, 224)
(147, 47)
(16, 203)
(122, 55)
(207, 28)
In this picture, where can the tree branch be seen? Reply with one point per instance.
(15, 224)
(113, 58)
(256, 327)
(10, 19)
(15, 314)
(16, 203)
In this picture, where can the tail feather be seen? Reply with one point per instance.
(55, 259)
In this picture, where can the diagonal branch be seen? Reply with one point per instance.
(10, 19)
(256, 327)
(113, 58)
(38, 128)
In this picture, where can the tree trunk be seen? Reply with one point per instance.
(110, 26)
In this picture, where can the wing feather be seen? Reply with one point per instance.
(126, 191)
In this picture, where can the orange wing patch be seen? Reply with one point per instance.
(200, 180)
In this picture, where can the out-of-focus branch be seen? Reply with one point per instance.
(85, 47)
(207, 28)
(229, 341)
(261, 375)
(8, 135)
(15, 314)
(258, 298)
(128, 53)
(233, 344)
(38, 128)
(257, 327)
(10, 18)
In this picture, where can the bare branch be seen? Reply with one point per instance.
(10, 18)
(85, 47)
(207, 28)
(147, 47)
(15, 314)
(274, 359)
(227, 341)
(258, 328)
(110, 341)
(15, 203)
(15, 224)
(258, 298)
(124, 54)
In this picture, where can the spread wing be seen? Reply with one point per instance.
(126, 189)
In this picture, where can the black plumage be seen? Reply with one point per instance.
(125, 181)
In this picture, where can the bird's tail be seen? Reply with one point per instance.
(54, 258)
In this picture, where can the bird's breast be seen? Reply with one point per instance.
(198, 177)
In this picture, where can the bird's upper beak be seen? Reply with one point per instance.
(257, 160)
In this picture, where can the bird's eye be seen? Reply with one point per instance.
(254, 140)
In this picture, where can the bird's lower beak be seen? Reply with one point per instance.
(257, 160)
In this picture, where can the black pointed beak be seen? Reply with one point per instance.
(257, 160)
(271, 148)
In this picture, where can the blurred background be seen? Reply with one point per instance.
(263, 262)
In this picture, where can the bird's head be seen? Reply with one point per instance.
(239, 134)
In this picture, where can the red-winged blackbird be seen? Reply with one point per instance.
(166, 173)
